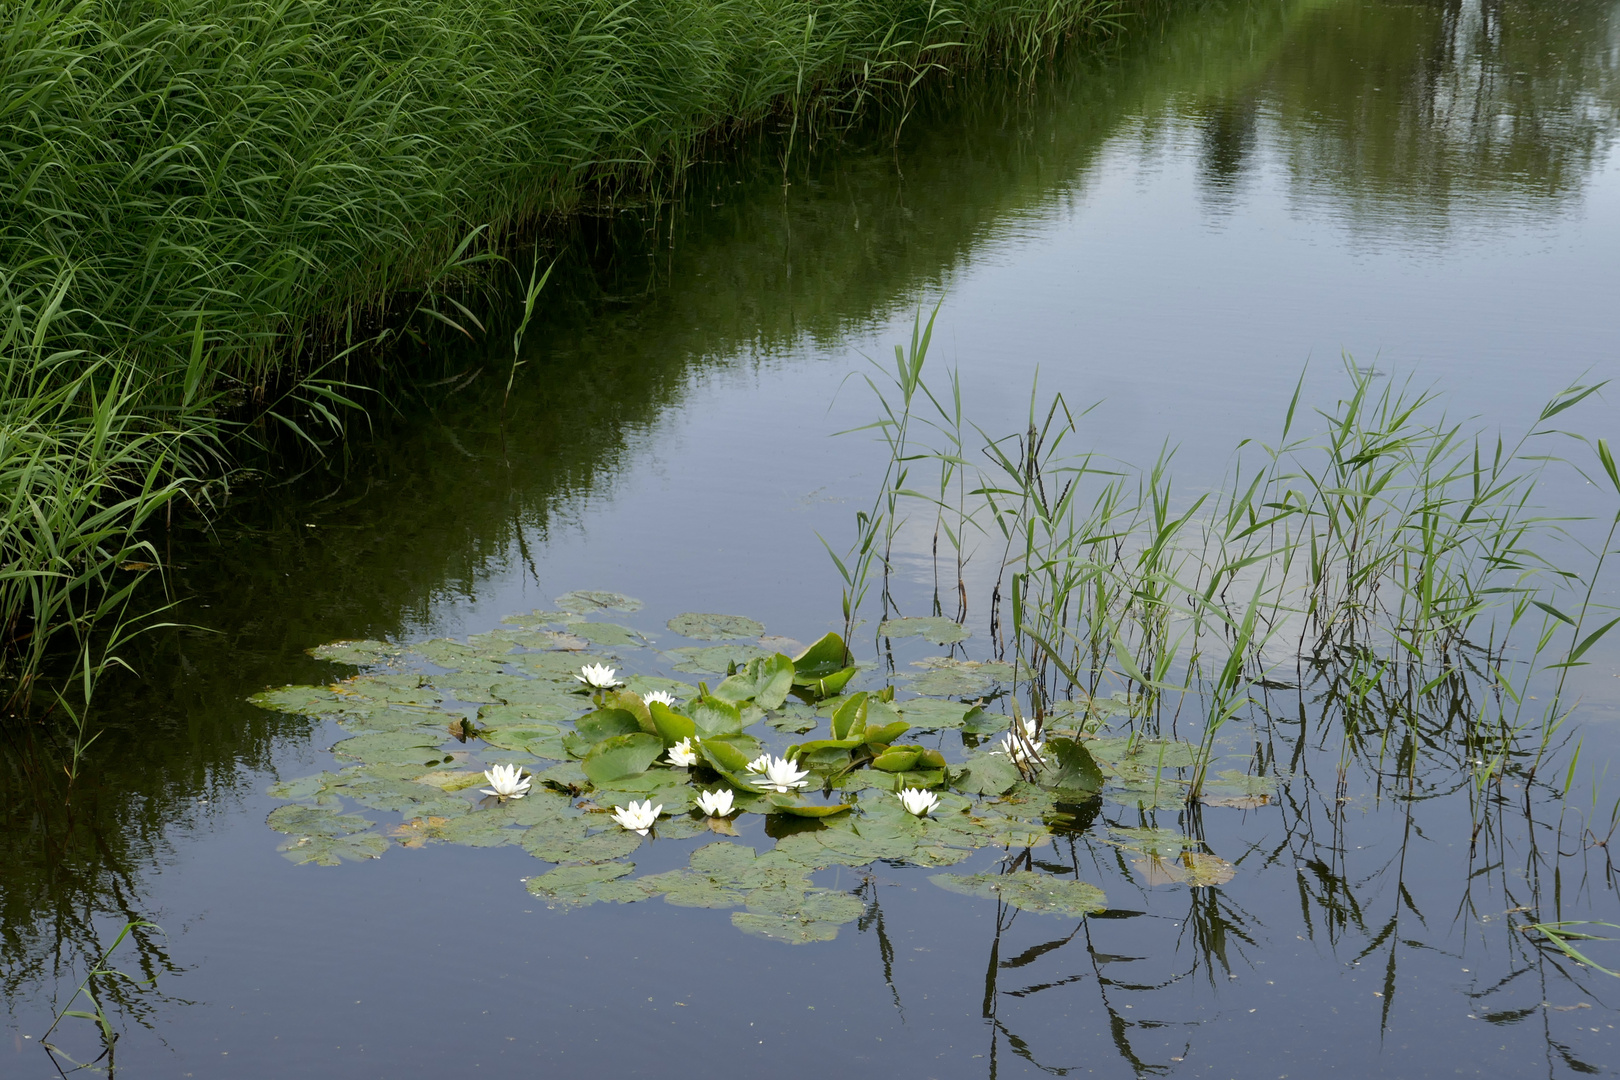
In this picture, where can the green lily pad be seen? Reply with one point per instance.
(784, 928)
(933, 628)
(609, 635)
(621, 756)
(933, 714)
(705, 627)
(588, 601)
(795, 719)
(578, 886)
(715, 658)
(684, 888)
(989, 774)
(332, 850)
(949, 682)
(392, 747)
(361, 653)
(390, 689)
(306, 701)
(542, 618)
(1143, 754)
(1029, 891)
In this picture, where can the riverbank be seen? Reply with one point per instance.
(210, 197)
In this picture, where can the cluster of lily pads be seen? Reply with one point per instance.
(529, 736)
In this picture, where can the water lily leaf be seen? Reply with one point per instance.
(471, 687)
(605, 723)
(478, 830)
(670, 725)
(783, 927)
(828, 685)
(451, 779)
(398, 718)
(1203, 869)
(1029, 891)
(578, 886)
(950, 682)
(850, 717)
(1165, 843)
(897, 759)
(775, 679)
(989, 774)
(632, 704)
(570, 839)
(609, 635)
(933, 628)
(684, 888)
(1235, 802)
(558, 667)
(730, 753)
(456, 656)
(882, 736)
(711, 716)
(1072, 767)
(1233, 782)
(398, 747)
(542, 618)
(535, 694)
(523, 737)
(315, 821)
(306, 700)
(704, 627)
(933, 714)
(796, 719)
(566, 776)
(820, 659)
(621, 756)
(332, 850)
(303, 789)
(715, 658)
(392, 689)
(588, 601)
(361, 653)
(642, 685)
(1149, 754)
(981, 721)
(784, 804)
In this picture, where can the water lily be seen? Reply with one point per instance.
(637, 817)
(506, 782)
(715, 803)
(759, 764)
(917, 801)
(1025, 750)
(781, 774)
(681, 755)
(663, 697)
(598, 677)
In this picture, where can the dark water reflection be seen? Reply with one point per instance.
(1173, 226)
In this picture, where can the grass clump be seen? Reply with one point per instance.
(208, 198)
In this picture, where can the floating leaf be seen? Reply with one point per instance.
(1029, 891)
(587, 601)
(795, 720)
(715, 658)
(819, 660)
(577, 886)
(360, 653)
(332, 850)
(711, 716)
(398, 747)
(671, 726)
(542, 618)
(1071, 768)
(621, 756)
(782, 804)
(933, 628)
(609, 635)
(306, 700)
(933, 714)
(950, 682)
(989, 774)
(783, 928)
(704, 627)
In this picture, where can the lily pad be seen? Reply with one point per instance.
(589, 601)
(933, 628)
(715, 658)
(394, 747)
(705, 627)
(931, 713)
(1029, 891)
(609, 635)
(950, 682)
(333, 850)
(577, 886)
(621, 756)
(361, 653)
(783, 928)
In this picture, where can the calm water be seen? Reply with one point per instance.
(1173, 229)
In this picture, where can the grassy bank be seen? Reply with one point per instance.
(203, 195)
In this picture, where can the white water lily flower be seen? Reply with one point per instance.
(917, 801)
(781, 774)
(637, 817)
(681, 755)
(663, 698)
(1025, 751)
(507, 782)
(760, 764)
(715, 803)
(598, 676)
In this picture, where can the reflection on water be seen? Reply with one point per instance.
(1404, 123)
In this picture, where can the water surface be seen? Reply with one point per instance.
(1174, 228)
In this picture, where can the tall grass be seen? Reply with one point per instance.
(1390, 559)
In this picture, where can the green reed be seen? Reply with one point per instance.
(1391, 560)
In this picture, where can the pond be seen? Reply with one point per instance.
(1182, 230)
